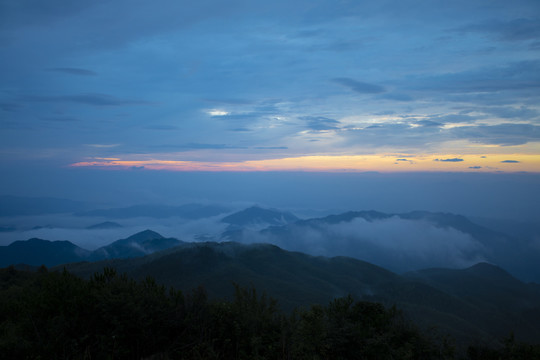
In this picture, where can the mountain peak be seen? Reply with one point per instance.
(256, 215)
(145, 235)
(488, 270)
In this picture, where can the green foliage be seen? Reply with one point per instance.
(347, 329)
(56, 315)
(511, 350)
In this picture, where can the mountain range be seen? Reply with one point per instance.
(38, 252)
(402, 242)
(480, 301)
(399, 242)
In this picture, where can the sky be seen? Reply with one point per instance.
(312, 86)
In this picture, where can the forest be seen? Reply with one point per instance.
(57, 315)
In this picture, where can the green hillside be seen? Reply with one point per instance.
(298, 280)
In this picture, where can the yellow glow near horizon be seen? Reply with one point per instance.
(350, 163)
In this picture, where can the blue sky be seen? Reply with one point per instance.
(333, 86)
(237, 81)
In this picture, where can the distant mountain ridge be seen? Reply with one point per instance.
(140, 244)
(399, 242)
(482, 301)
(256, 216)
(41, 252)
(38, 252)
(477, 243)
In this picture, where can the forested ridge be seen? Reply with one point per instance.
(57, 315)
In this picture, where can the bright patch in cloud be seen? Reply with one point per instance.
(217, 112)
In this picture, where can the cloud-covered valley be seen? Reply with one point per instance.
(395, 243)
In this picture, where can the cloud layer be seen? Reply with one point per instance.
(217, 82)
(397, 244)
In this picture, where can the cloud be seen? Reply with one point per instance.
(394, 243)
(319, 123)
(60, 118)
(240, 118)
(217, 112)
(201, 146)
(506, 134)
(428, 123)
(162, 127)
(514, 30)
(398, 97)
(517, 76)
(393, 134)
(87, 99)
(360, 87)
(74, 229)
(10, 107)
(229, 101)
(402, 160)
(455, 118)
(475, 167)
(271, 147)
(103, 146)
(73, 71)
(449, 160)
(510, 112)
(510, 161)
(188, 58)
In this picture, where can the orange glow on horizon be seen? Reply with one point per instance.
(349, 163)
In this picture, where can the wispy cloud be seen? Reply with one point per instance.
(242, 81)
(60, 118)
(199, 146)
(521, 29)
(103, 146)
(397, 244)
(359, 86)
(506, 134)
(73, 71)
(320, 123)
(93, 99)
(450, 160)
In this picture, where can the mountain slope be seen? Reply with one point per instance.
(38, 252)
(490, 289)
(294, 278)
(41, 252)
(297, 279)
(140, 244)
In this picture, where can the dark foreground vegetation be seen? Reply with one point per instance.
(57, 315)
